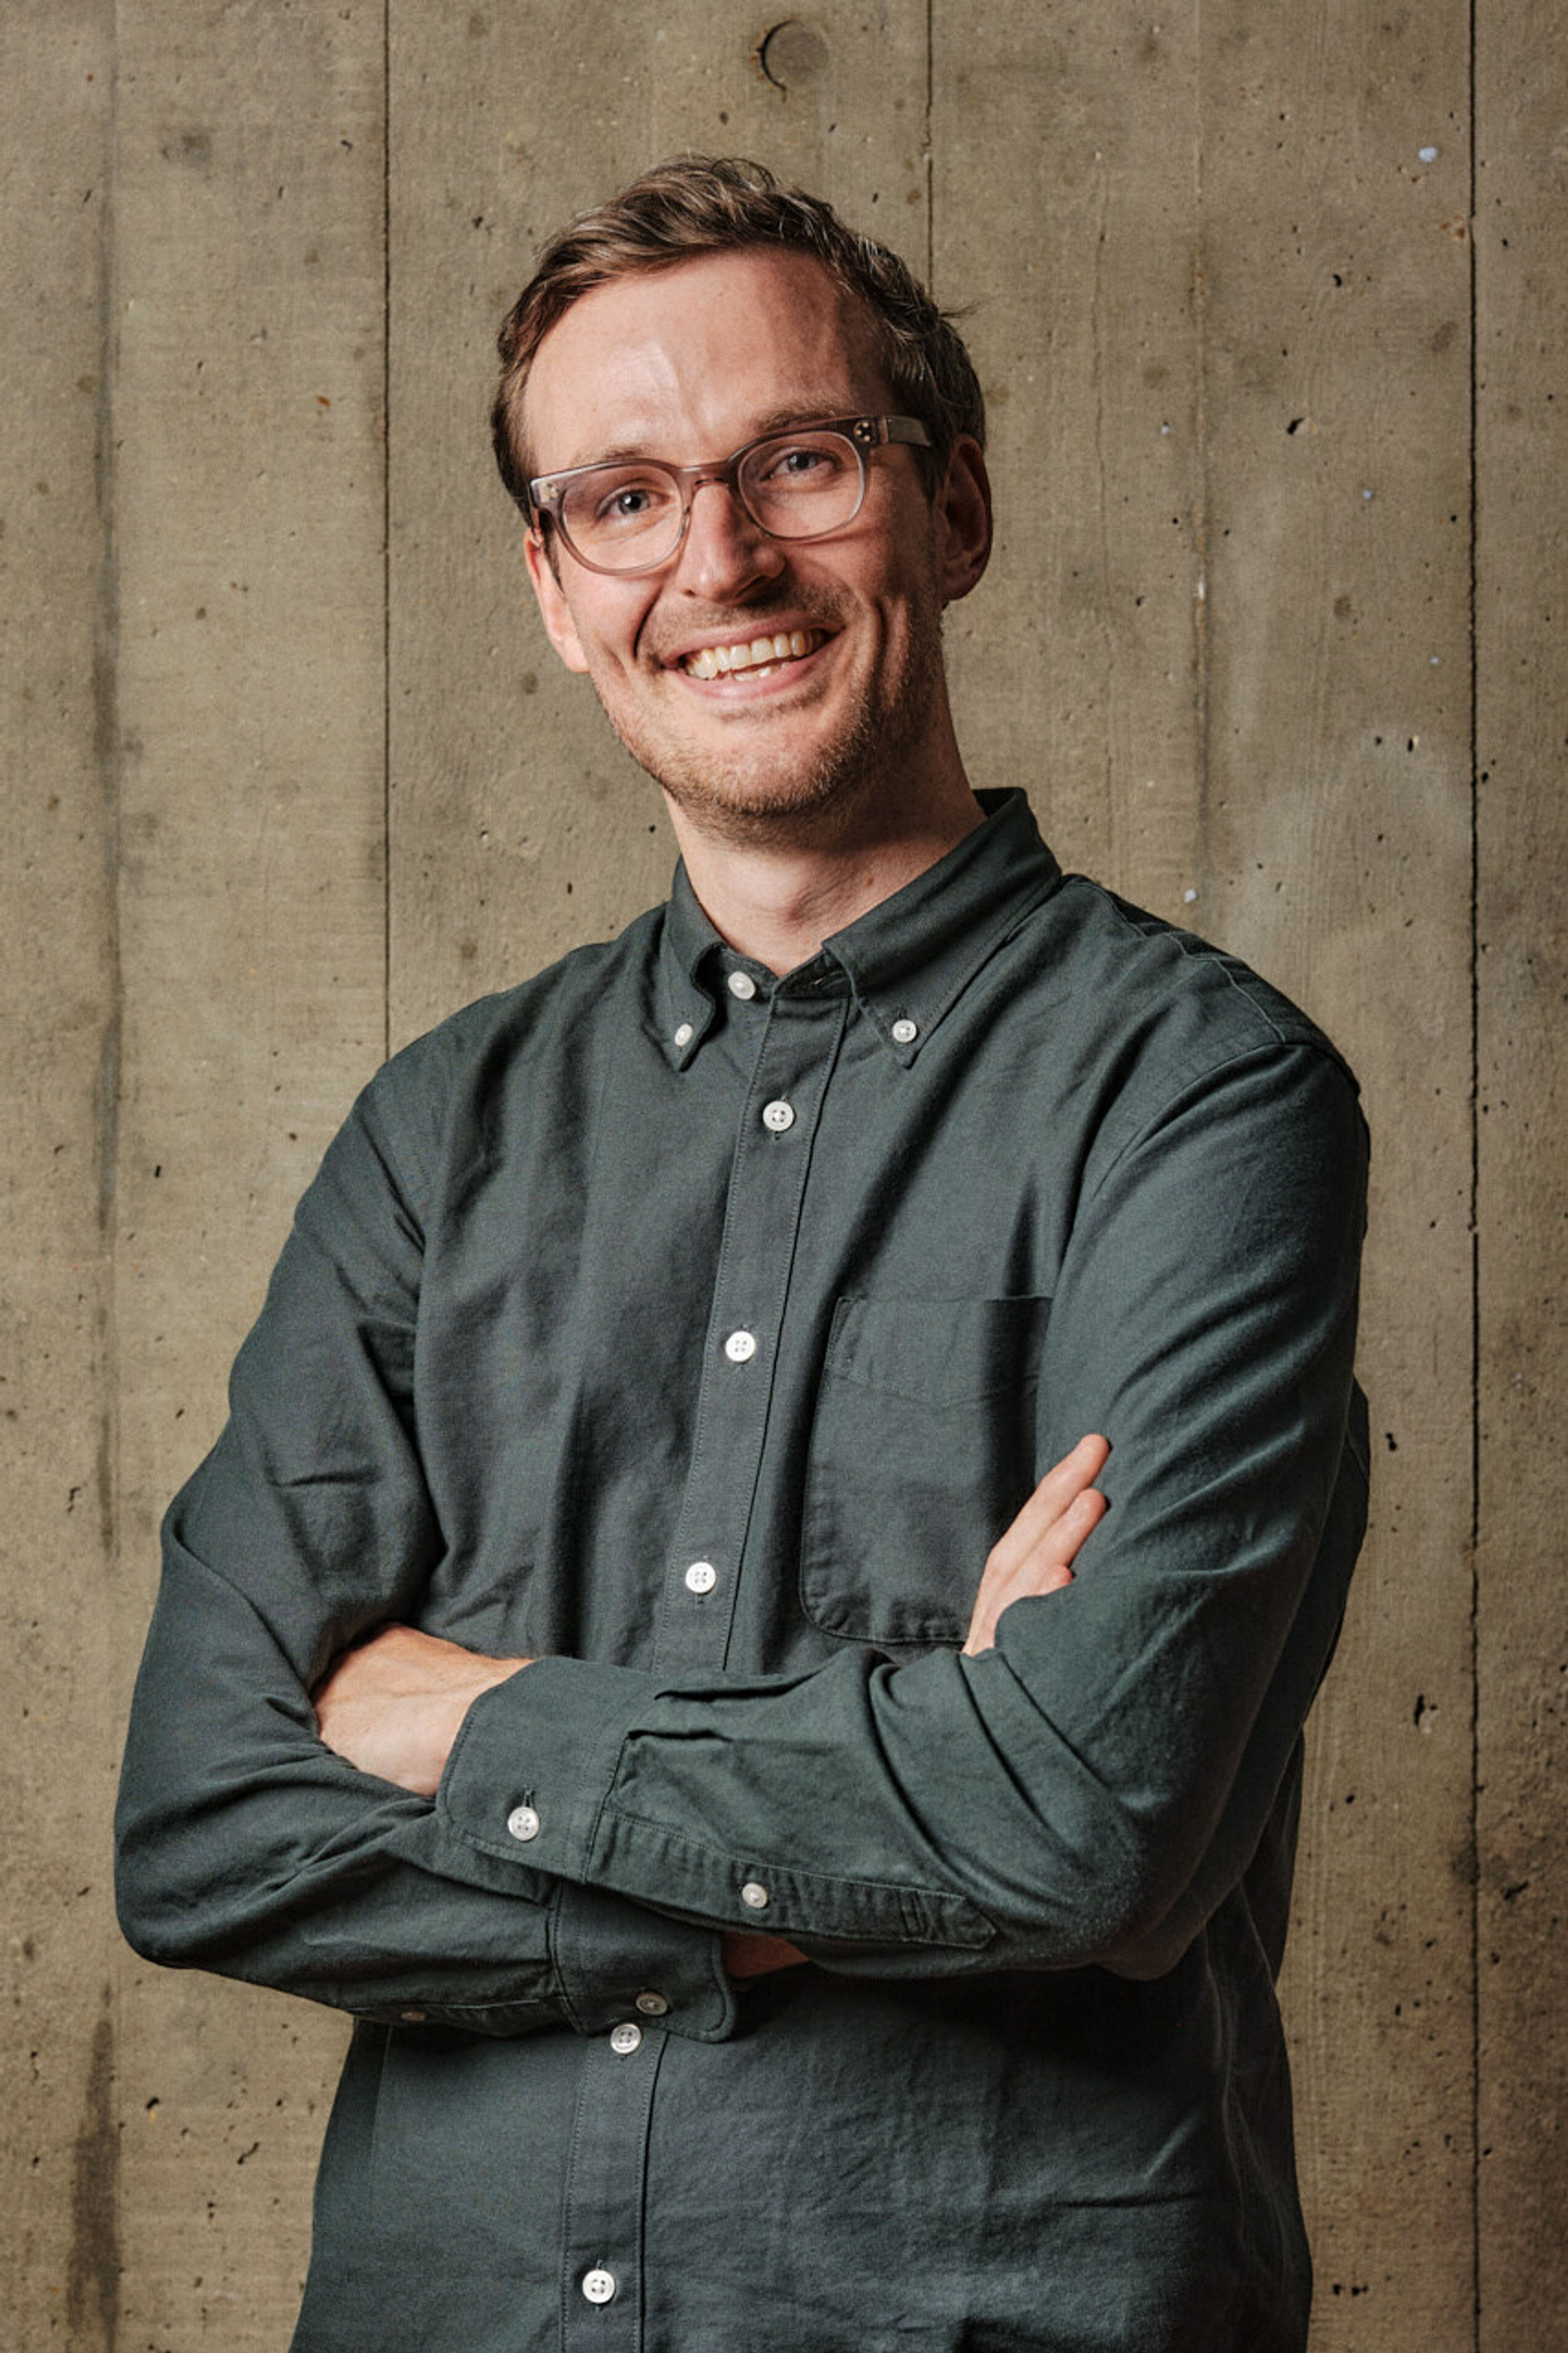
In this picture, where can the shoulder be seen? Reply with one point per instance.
(557, 1021)
(1195, 1003)
(1169, 1035)
(1173, 1001)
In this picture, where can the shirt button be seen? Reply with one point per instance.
(625, 2040)
(683, 1035)
(743, 986)
(754, 1895)
(701, 1576)
(779, 1117)
(523, 1823)
(599, 2285)
(412, 2016)
(739, 1347)
(652, 2005)
(905, 1032)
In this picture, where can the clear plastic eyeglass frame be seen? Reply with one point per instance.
(548, 493)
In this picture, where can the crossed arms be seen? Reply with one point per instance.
(394, 1706)
(1085, 1782)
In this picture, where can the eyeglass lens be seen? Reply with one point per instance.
(798, 486)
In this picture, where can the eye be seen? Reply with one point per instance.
(795, 463)
(620, 502)
(800, 465)
(629, 502)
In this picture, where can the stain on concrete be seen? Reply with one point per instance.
(192, 148)
(92, 2287)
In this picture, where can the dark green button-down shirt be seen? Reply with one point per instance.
(698, 1332)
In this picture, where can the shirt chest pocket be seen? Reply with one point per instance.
(922, 1449)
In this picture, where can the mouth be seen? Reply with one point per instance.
(761, 657)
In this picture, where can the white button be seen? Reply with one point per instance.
(778, 1116)
(743, 986)
(625, 2040)
(701, 1576)
(683, 1035)
(523, 1823)
(599, 2285)
(412, 2016)
(754, 1895)
(652, 2005)
(905, 1032)
(739, 1347)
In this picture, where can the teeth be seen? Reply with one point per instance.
(785, 645)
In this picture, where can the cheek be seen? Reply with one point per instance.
(611, 631)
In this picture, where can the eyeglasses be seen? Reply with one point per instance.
(632, 513)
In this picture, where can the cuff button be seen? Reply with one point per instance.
(522, 1823)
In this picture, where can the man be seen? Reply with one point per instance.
(803, 1882)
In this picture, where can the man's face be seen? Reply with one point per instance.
(687, 363)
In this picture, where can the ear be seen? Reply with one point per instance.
(554, 609)
(963, 520)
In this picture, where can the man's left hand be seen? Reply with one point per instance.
(394, 1706)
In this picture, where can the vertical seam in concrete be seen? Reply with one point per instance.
(386, 525)
(1101, 470)
(930, 147)
(106, 696)
(1200, 475)
(93, 2285)
(1475, 1648)
(106, 746)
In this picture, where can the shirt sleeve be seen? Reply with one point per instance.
(243, 1845)
(1090, 1791)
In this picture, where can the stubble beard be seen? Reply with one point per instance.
(749, 801)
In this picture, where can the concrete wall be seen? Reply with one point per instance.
(1270, 307)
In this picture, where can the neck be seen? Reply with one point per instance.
(776, 899)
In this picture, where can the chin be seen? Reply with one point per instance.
(759, 796)
(753, 802)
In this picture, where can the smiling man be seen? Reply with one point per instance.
(753, 1618)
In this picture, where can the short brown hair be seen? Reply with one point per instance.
(712, 204)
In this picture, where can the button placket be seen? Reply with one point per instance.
(602, 2250)
(799, 1046)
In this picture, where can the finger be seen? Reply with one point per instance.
(1056, 1491)
(988, 1608)
(1052, 1557)
(1046, 1568)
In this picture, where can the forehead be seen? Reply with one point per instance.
(686, 363)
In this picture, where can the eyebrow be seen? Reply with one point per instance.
(771, 421)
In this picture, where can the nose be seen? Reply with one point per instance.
(724, 552)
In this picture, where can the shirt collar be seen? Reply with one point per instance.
(908, 959)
